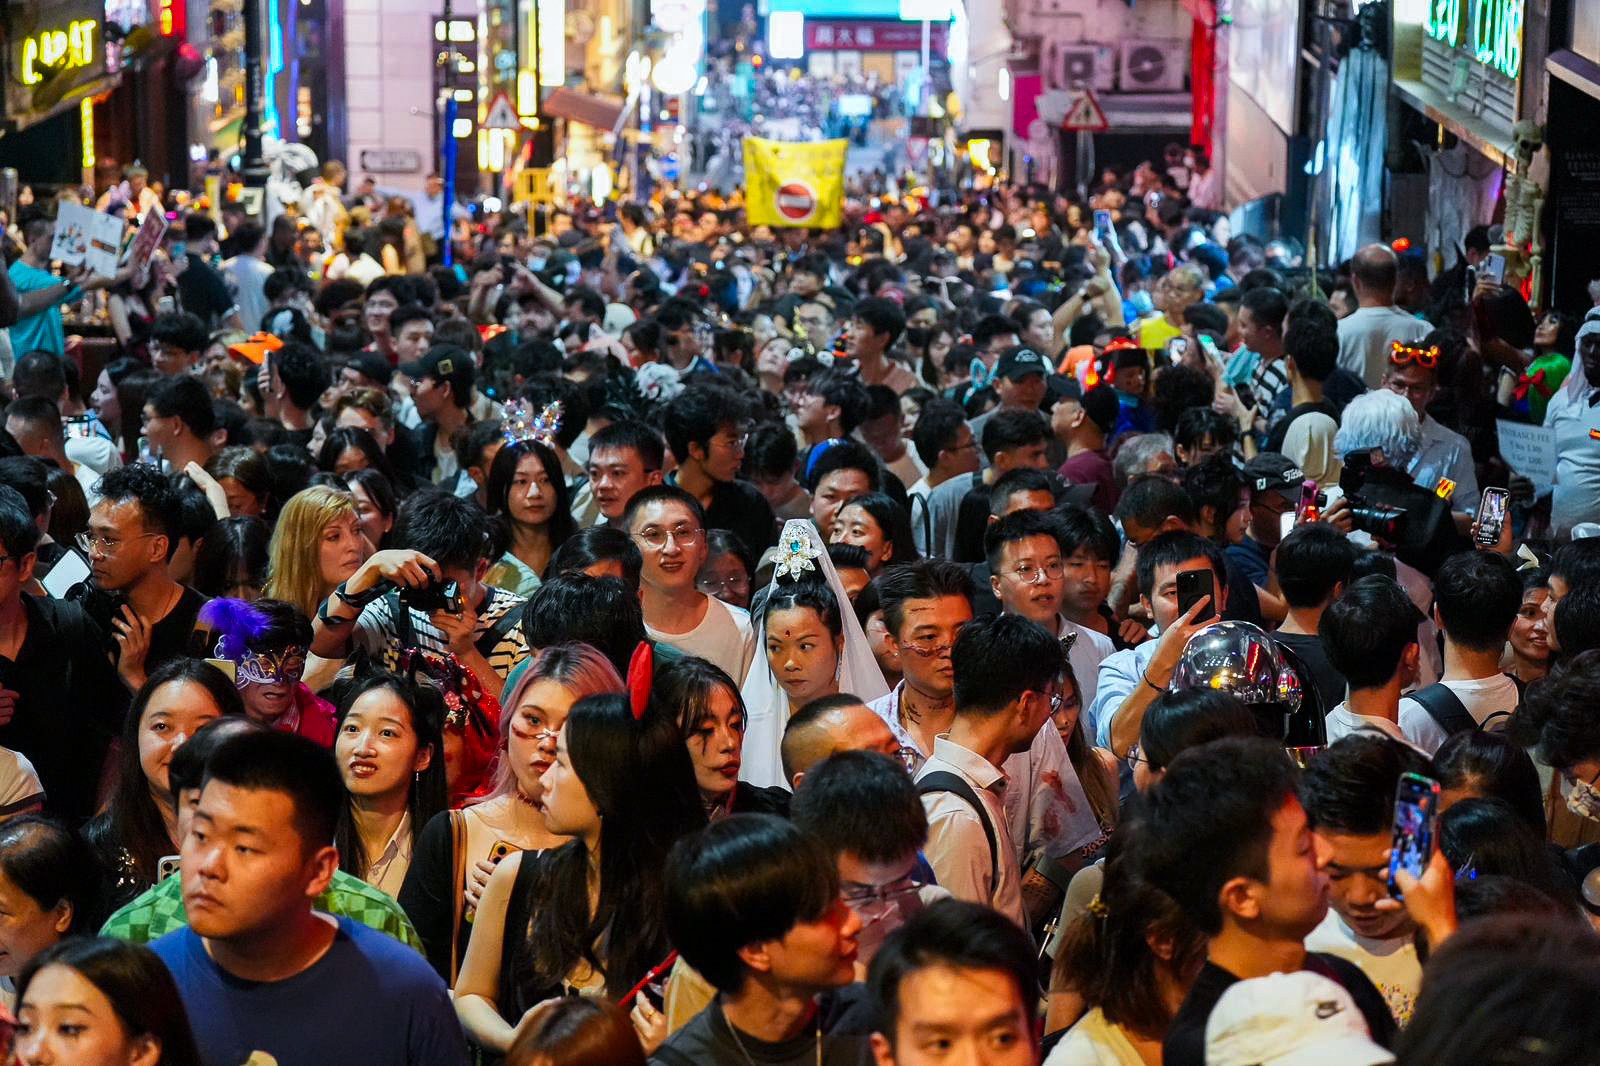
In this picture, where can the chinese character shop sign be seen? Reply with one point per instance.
(824, 35)
(1489, 30)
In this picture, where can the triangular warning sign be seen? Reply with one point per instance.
(1084, 113)
(502, 116)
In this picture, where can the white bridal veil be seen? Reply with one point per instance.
(800, 552)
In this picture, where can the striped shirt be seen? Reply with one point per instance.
(377, 634)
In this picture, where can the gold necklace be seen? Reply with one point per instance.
(733, 1031)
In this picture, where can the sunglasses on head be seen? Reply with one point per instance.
(1401, 354)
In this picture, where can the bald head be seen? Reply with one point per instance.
(828, 725)
(1375, 270)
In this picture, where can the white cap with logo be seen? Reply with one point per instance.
(1300, 1018)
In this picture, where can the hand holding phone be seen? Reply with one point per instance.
(1494, 268)
(1194, 586)
(1492, 512)
(1416, 819)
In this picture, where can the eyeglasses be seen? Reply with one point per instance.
(858, 895)
(1402, 354)
(1029, 574)
(656, 540)
(93, 543)
(1135, 756)
(719, 586)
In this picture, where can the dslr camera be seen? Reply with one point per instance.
(1386, 503)
(434, 596)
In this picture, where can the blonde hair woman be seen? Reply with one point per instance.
(317, 544)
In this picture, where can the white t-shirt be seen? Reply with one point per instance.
(1089, 650)
(1342, 722)
(724, 637)
(1094, 1041)
(1482, 698)
(1365, 336)
(1390, 964)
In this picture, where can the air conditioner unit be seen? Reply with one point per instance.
(1153, 66)
(1089, 66)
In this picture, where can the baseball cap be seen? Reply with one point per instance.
(1300, 1018)
(1272, 472)
(1018, 362)
(1102, 406)
(447, 362)
(370, 365)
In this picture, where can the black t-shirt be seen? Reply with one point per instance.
(202, 292)
(708, 1040)
(178, 634)
(69, 703)
(1185, 1044)
(738, 507)
(1329, 683)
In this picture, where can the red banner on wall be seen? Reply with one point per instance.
(841, 35)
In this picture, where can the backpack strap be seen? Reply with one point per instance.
(944, 781)
(1445, 708)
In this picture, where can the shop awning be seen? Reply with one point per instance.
(601, 112)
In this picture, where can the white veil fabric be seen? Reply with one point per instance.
(800, 552)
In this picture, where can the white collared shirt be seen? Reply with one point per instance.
(1577, 485)
(958, 847)
(1047, 811)
(388, 871)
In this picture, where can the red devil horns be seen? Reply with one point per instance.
(641, 675)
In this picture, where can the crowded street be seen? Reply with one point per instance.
(799, 533)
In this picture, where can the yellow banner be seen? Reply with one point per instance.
(789, 184)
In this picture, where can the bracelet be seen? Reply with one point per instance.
(1145, 677)
(360, 599)
(329, 620)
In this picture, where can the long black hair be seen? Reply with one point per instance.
(129, 837)
(894, 522)
(362, 440)
(638, 776)
(504, 469)
(138, 985)
(429, 792)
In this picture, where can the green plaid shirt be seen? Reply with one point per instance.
(160, 910)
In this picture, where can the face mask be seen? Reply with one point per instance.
(1141, 303)
(536, 263)
(1584, 801)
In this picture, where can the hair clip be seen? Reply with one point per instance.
(641, 677)
(1098, 908)
(796, 553)
(519, 424)
(1530, 559)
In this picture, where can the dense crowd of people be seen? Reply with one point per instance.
(990, 633)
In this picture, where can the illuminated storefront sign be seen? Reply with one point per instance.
(55, 54)
(68, 48)
(1490, 30)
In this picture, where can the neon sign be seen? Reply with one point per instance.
(71, 49)
(1497, 35)
(1493, 35)
(1443, 21)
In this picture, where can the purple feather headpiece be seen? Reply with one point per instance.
(238, 625)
